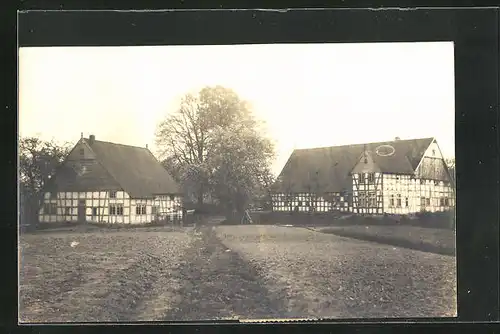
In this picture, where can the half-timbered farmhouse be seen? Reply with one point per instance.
(110, 183)
(395, 177)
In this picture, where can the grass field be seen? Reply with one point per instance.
(440, 241)
(225, 272)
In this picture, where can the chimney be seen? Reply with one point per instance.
(91, 139)
(146, 146)
(397, 138)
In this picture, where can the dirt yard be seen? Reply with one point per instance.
(108, 276)
(225, 272)
(323, 275)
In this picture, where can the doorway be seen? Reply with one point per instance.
(81, 210)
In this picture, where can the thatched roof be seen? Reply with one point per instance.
(135, 169)
(327, 169)
(118, 167)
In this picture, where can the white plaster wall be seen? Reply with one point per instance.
(279, 200)
(377, 188)
(394, 185)
(67, 206)
(433, 151)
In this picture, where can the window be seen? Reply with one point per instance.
(82, 151)
(371, 178)
(300, 203)
(362, 200)
(140, 209)
(391, 201)
(112, 194)
(67, 211)
(441, 201)
(172, 197)
(361, 178)
(398, 201)
(95, 212)
(428, 201)
(407, 202)
(433, 153)
(446, 201)
(372, 199)
(116, 209)
(422, 201)
(154, 210)
(50, 208)
(307, 203)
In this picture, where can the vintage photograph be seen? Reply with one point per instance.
(244, 182)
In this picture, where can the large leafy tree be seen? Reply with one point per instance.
(450, 163)
(263, 193)
(240, 163)
(38, 160)
(212, 144)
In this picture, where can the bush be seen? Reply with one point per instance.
(444, 220)
(423, 239)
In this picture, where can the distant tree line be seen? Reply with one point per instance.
(38, 160)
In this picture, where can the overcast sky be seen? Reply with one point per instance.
(310, 95)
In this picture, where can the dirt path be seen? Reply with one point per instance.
(218, 284)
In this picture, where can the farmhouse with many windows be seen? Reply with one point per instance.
(396, 177)
(111, 183)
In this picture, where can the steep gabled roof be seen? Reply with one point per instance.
(135, 169)
(327, 169)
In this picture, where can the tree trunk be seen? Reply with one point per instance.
(29, 211)
(200, 199)
(200, 196)
(231, 214)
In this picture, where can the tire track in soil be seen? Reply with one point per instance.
(217, 284)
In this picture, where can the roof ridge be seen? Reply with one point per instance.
(152, 177)
(359, 144)
(112, 143)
